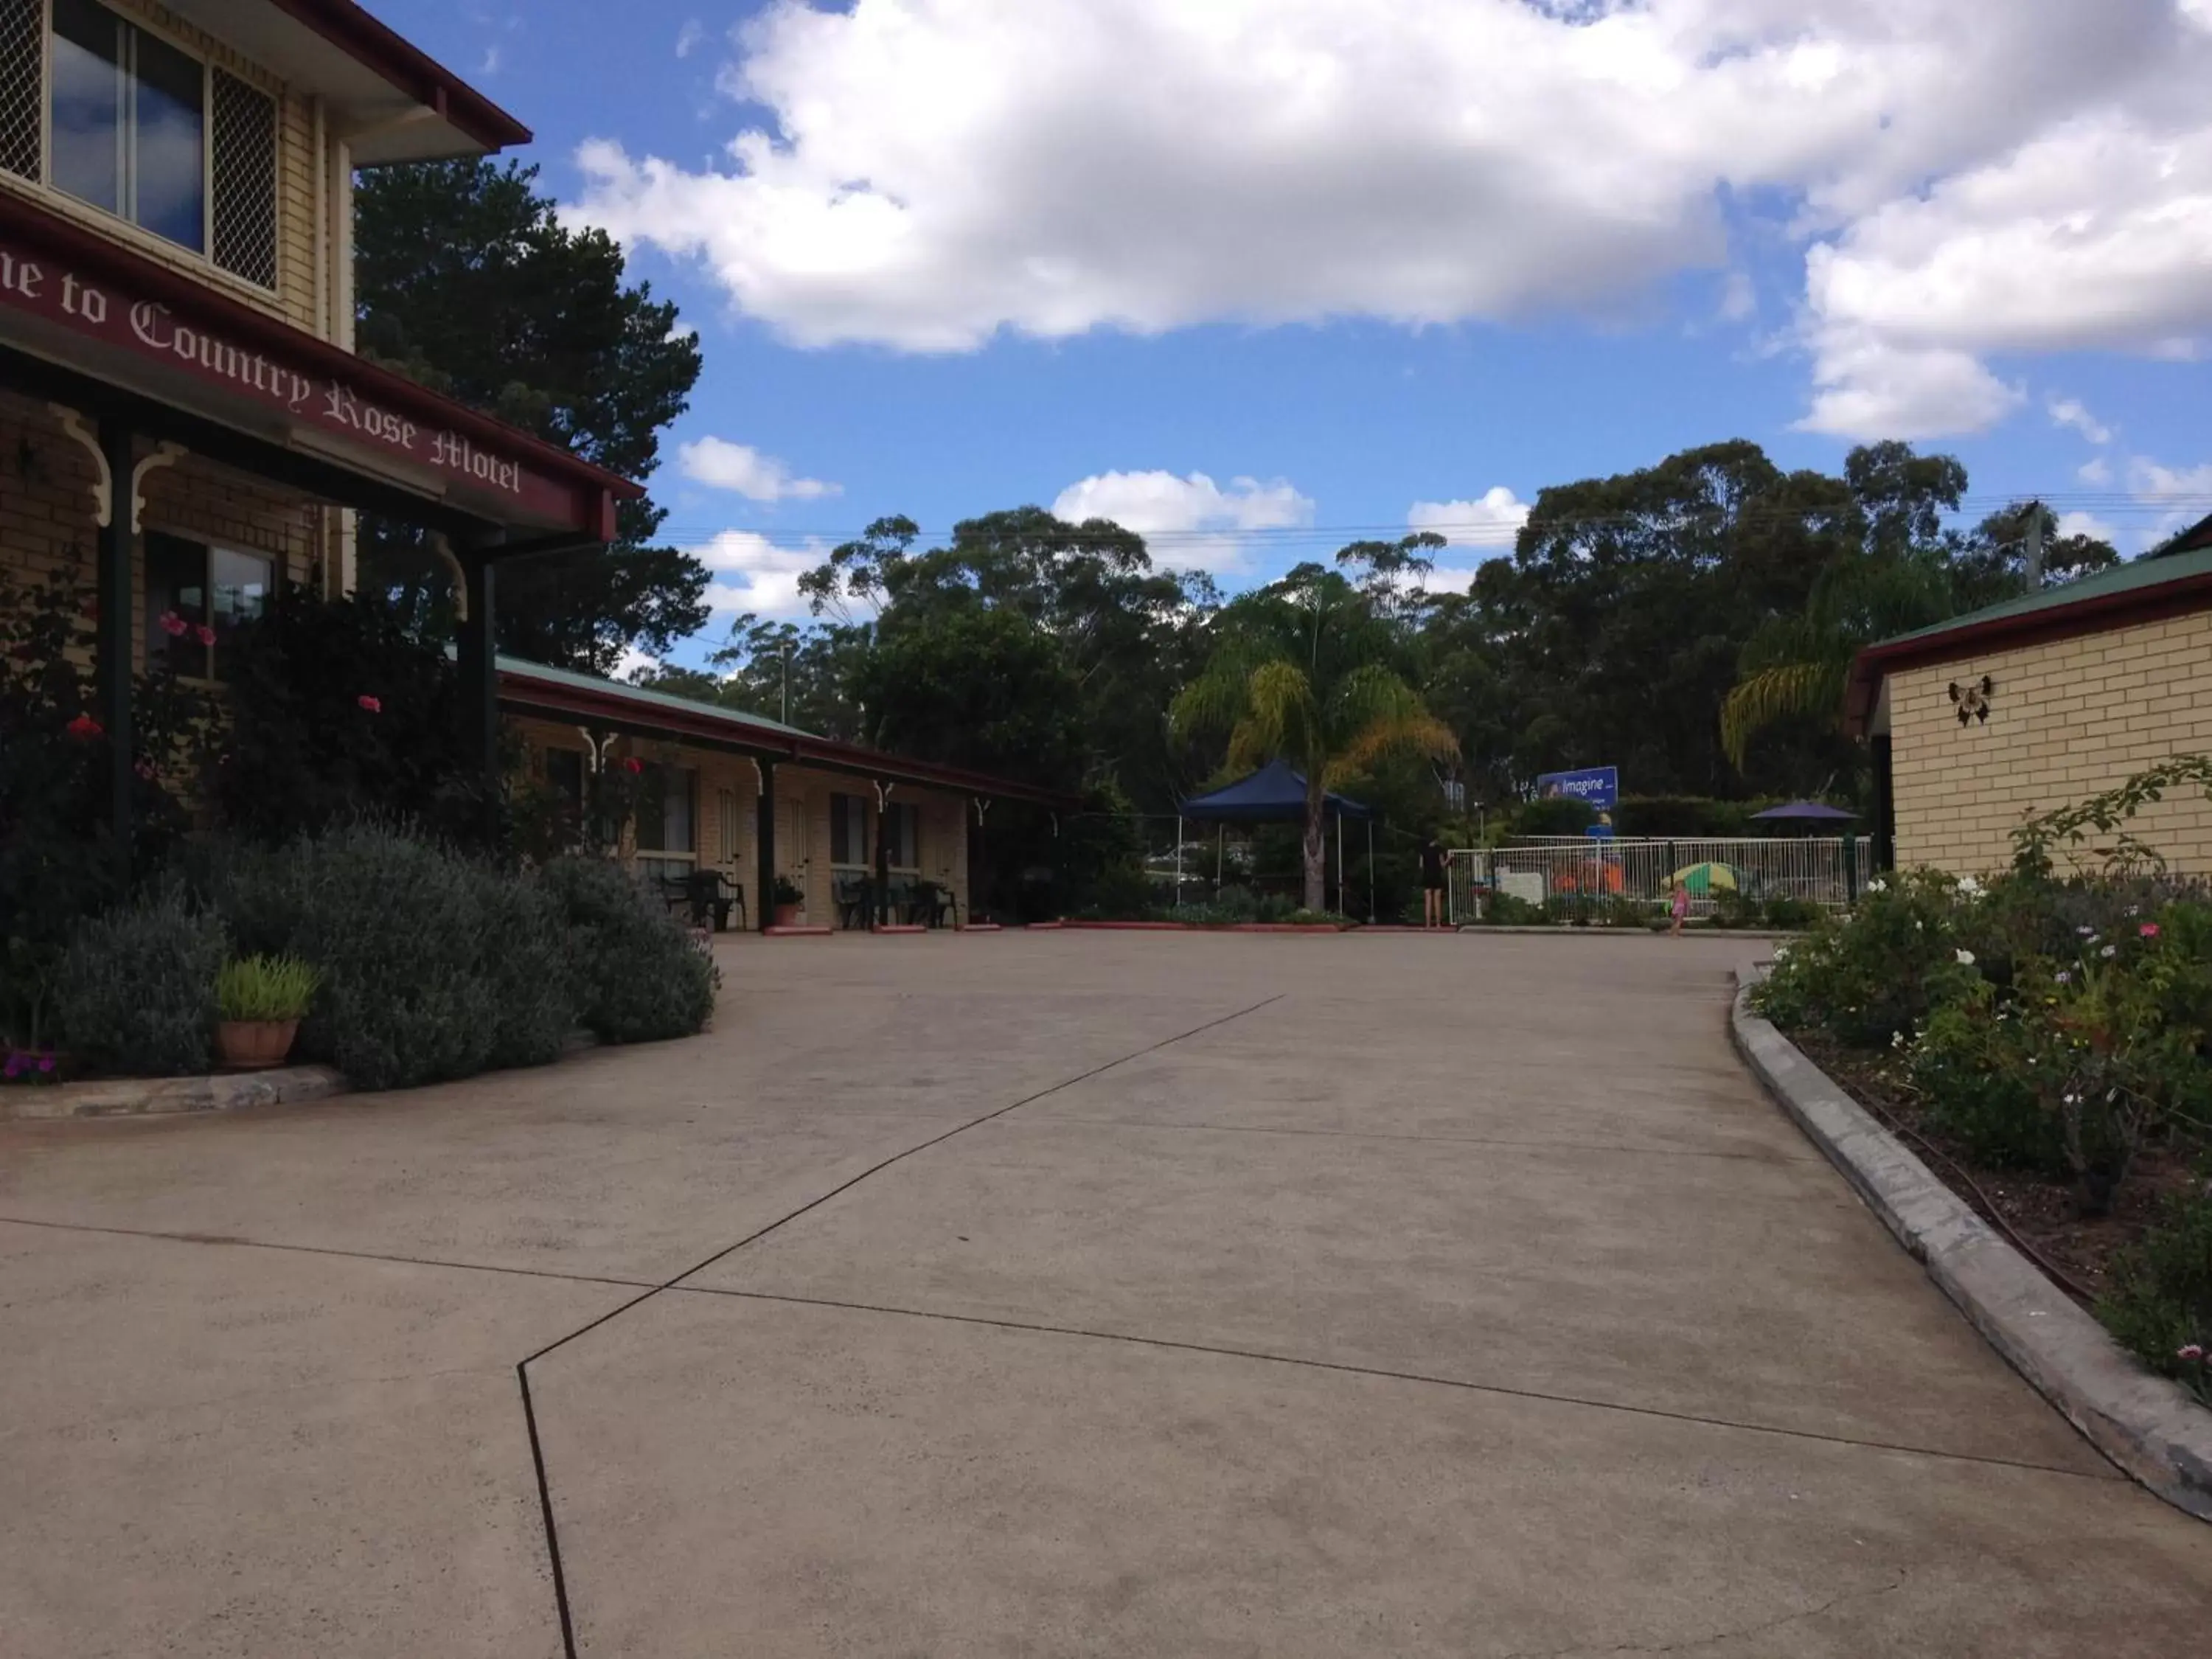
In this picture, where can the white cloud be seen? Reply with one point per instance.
(1968, 182)
(635, 662)
(690, 37)
(1493, 521)
(2087, 523)
(2098, 471)
(720, 465)
(1738, 298)
(753, 573)
(2071, 412)
(490, 65)
(2152, 482)
(1189, 523)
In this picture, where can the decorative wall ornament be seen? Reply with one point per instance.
(1973, 699)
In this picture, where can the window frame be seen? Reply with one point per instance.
(665, 772)
(154, 650)
(204, 255)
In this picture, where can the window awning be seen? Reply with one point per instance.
(100, 309)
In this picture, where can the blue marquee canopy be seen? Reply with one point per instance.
(1276, 793)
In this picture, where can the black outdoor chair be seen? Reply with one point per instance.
(856, 905)
(933, 906)
(710, 896)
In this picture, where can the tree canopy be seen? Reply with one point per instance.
(467, 282)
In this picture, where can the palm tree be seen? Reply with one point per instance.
(1300, 673)
(1800, 665)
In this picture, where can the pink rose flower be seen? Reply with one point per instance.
(2191, 1351)
(2150, 929)
(370, 703)
(203, 634)
(173, 625)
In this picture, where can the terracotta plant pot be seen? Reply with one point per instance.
(254, 1045)
(787, 915)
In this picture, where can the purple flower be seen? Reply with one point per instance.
(47, 1064)
(2064, 977)
(15, 1064)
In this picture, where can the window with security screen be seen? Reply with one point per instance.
(22, 97)
(115, 116)
(244, 183)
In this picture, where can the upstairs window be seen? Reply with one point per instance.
(129, 123)
(115, 116)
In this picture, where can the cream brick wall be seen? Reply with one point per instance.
(943, 824)
(2067, 720)
(48, 520)
(297, 163)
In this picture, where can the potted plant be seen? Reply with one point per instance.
(259, 1002)
(789, 902)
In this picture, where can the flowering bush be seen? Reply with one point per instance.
(58, 863)
(1875, 974)
(2160, 1306)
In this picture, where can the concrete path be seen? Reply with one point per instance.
(1041, 1295)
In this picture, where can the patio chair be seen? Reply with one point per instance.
(708, 902)
(933, 906)
(855, 896)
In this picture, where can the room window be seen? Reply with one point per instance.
(849, 832)
(902, 837)
(116, 116)
(564, 780)
(197, 598)
(666, 798)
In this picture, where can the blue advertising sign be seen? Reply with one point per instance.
(1597, 786)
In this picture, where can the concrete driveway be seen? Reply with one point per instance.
(1044, 1294)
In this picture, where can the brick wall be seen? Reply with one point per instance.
(2067, 720)
(800, 791)
(47, 515)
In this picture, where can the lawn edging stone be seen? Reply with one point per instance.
(2147, 1426)
(169, 1096)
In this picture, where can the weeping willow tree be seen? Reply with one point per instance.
(1301, 672)
(1799, 665)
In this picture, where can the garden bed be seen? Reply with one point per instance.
(2038, 1214)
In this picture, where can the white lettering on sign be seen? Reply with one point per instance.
(20, 276)
(160, 333)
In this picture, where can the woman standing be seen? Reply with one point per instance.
(1432, 882)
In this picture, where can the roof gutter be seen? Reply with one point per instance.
(2094, 614)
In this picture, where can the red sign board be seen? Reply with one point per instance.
(168, 332)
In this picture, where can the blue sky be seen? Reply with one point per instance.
(1267, 275)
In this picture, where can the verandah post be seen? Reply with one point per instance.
(764, 844)
(113, 635)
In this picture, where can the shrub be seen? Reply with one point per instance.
(436, 966)
(58, 863)
(1554, 814)
(266, 988)
(639, 978)
(136, 991)
(1782, 911)
(1878, 972)
(336, 709)
(1970, 1067)
(2159, 1306)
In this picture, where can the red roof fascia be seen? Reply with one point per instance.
(2098, 615)
(95, 252)
(543, 696)
(409, 68)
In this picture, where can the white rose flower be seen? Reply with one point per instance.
(1966, 959)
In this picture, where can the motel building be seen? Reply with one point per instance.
(2038, 703)
(184, 424)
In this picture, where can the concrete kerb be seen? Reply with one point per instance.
(2148, 1426)
(127, 1097)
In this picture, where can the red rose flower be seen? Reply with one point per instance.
(85, 726)
(632, 764)
(203, 634)
(369, 703)
(173, 625)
